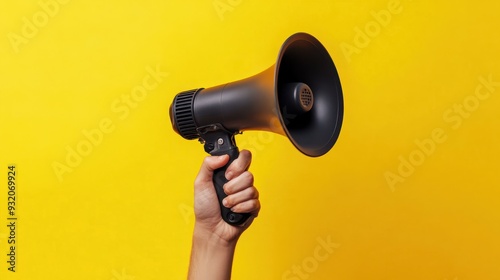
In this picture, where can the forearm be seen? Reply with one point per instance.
(211, 257)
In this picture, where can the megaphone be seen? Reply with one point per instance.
(299, 97)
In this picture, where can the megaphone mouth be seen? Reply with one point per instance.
(304, 60)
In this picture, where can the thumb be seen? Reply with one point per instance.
(208, 166)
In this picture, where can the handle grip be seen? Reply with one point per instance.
(219, 179)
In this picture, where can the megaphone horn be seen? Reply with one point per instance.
(299, 97)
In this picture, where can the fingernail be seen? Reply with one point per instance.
(229, 175)
(224, 202)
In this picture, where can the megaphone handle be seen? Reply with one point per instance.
(219, 180)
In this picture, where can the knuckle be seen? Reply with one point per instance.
(256, 193)
(248, 176)
(252, 192)
(254, 204)
(257, 205)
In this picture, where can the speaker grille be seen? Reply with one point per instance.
(183, 114)
(306, 97)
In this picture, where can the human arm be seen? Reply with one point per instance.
(214, 241)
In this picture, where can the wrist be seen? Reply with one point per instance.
(211, 256)
(210, 238)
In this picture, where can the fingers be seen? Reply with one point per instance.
(239, 165)
(245, 201)
(208, 166)
(242, 197)
(243, 181)
(248, 193)
(249, 206)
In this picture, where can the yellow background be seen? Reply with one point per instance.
(124, 212)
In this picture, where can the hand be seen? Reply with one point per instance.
(242, 197)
